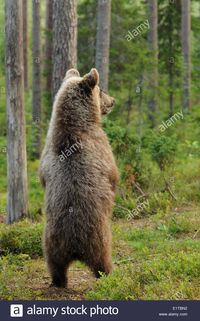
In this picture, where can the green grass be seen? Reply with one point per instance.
(164, 263)
(24, 237)
(154, 258)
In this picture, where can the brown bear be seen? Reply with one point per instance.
(80, 177)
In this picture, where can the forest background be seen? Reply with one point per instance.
(150, 63)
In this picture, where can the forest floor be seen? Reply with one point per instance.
(32, 281)
(154, 258)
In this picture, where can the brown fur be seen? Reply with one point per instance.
(80, 189)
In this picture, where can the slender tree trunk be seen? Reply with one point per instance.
(171, 90)
(129, 105)
(64, 40)
(25, 42)
(36, 99)
(153, 47)
(103, 41)
(140, 109)
(49, 45)
(171, 66)
(17, 205)
(186, 48)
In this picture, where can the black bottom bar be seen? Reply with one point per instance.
(100, 310)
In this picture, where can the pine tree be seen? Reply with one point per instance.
(186, 48)
(170, 46)
(64, 40)
(36, 99)
(17, 206)
(25, 41)
(153, 49)
(48, 45)
(103, 41)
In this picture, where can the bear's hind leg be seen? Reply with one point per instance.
(58, 273)
(102, 263)
(103, 266)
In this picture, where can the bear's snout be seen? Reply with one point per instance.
(112, 101)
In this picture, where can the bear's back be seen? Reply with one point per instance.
(79, 180)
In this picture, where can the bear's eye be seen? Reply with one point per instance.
(100, 93)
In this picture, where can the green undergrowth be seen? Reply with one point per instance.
(164, 262)
(154, 258)
(24, 237)
(168, 276)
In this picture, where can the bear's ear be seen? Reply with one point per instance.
(91, 79)
(72, 73)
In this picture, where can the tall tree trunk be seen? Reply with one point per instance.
(171, 90)
(36, 99)
(186, 48)
(25, 42)
(64, 40)
(49, 45)
(17, 204)
(140, 109)
(103, 41)
(153, 47)
(171, 66)
(171, 71)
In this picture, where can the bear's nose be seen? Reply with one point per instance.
(113, 101)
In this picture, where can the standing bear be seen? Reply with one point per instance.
(80, 177)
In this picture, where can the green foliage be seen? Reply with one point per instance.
(86, 35)
(161, 265)
(17, 260)
(163, 149)
(122, 139)
(24, 237)
(123, 207)
(169, 34)
(169, 30)
(2, 47)
(151, 280)
(159, 202)
(173, 227)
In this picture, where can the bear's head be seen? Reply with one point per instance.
(78, 107)
(89, 85)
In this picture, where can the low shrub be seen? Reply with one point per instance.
(168, 276)
(23, 237)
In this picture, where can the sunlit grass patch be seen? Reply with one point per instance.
(163, 262)
(169, 276)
